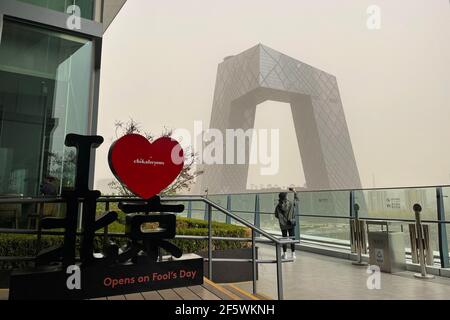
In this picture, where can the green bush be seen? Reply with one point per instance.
(15, 245)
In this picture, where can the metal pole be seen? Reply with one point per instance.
(257, 217)
(359, 234)
(297, 221)
(40, 207)
(279, 272)
(189, 213)
(352, 211)
(228, 218)
(105, 229)
(254, 272)
(423, 269)
(210, 244)
(206, 213)
(442, 230)
(207, 207)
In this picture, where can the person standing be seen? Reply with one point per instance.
(285, 213)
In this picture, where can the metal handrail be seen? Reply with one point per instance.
(312, 190)
(277, 241)
(232, 215)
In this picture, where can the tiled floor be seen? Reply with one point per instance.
(314, 276)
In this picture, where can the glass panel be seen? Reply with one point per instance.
(198, 210)
(397, 204)
(221, 200)
(44, 95)
(325, 203)
(243, 205)
(86, 6)
(325, 230)
(267, 204)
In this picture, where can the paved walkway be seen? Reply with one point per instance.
(316, 277)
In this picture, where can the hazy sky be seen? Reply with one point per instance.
(160, 61)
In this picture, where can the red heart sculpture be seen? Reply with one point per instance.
(146, 168)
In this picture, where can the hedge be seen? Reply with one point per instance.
(15, 245)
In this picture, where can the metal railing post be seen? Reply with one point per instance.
(189, 213)
(352, 203)
(257, 217)
(228, 218)
(279, 272)
(105, 229)
(254, 264)
(423, 268)
(39, 227)
(297, 221)
(351, 214)
(210, 244)
(206, 213)
(442, 229)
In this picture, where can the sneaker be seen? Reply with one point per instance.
(294, 256)
(284, 255)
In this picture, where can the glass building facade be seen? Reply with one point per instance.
(86, 6)
(49, 80)
(44, 95)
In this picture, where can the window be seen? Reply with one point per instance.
(44, 95)
(86, 6)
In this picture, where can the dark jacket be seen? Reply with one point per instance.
(285, 213)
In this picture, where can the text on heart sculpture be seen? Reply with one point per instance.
(145, 168)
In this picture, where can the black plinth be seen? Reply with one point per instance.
(51, 283)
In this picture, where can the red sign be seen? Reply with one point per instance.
(146, 168)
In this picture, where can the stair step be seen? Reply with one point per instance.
(244, 295)
(219, 290)
(263, 296)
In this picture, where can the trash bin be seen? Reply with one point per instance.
(386, 246)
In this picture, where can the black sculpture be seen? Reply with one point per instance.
(142, 244)
(136, 259)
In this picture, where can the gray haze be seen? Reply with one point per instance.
(160, 61)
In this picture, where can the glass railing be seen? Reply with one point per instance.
(198, 210)
(221, 200)
(268, 221)
(324, 216)
(243, 205)
(383, 204)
